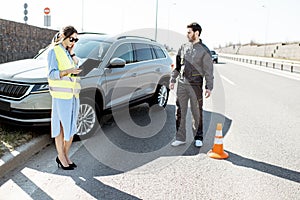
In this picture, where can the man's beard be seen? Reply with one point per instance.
(193, 38)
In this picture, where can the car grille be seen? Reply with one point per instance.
(13, 90)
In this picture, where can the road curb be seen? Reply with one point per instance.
(12, 160)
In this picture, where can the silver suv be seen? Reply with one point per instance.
(128, 70)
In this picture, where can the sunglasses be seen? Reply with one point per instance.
(73, 39)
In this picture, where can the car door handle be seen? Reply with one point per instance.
(157, 70)
(134, 74)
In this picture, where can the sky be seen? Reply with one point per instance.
(223, 22)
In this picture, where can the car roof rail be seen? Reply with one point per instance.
(133, 36)
(92, 33)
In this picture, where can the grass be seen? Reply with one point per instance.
(13, 136)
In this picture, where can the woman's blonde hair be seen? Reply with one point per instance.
(57, 38)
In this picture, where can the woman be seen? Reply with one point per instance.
(64, 88)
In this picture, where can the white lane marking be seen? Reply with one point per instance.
(226, 79)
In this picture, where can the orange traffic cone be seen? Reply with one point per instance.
(217, 150)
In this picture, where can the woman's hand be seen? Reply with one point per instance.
(69, 71)
(74, 71)
(70, 49)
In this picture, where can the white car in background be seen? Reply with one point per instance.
(214, 56)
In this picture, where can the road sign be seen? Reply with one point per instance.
(47, 11)
(25, 12)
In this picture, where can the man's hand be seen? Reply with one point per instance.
(207, 93)
(171, 86)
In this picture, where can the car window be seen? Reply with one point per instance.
(159, 52)
(125, 52)
(91, 49)
(143, 52)
(212, 52)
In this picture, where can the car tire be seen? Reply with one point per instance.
(161, 96)
(88, 118)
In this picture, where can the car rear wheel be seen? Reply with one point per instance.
(161, 96)
(87, 122)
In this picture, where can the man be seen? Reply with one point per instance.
(193, 63)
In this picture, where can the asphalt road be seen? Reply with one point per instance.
(130, 157)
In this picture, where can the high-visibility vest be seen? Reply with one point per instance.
(67, 86)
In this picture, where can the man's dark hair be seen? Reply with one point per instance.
(195, 27)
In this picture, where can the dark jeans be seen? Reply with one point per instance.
(186, 92)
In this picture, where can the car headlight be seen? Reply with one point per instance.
(39, 88)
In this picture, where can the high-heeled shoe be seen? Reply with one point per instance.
(59, 164)
(73, 165)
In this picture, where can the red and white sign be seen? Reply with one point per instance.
(47, 11)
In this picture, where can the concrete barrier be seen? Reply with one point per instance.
(280, 64)
(289, 51)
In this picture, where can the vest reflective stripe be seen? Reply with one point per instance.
(69, 83)
(69, 90)
(67, 86)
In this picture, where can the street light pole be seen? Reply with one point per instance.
(156, 20)
(169, 11)
(267, 24)
(82, 16)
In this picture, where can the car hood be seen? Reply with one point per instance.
(28, 70)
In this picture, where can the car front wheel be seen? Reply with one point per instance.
(87, 122)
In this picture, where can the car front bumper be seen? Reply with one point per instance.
(33, 110)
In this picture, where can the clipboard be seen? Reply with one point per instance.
(88, 66)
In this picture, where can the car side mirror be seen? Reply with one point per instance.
(117, 63)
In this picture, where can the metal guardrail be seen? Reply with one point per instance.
(284, 65)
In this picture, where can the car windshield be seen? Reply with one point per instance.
(94, 49)
(84, 48)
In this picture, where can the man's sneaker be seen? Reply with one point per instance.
(177, 143)
(198, 143)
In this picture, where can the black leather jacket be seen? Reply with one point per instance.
(197, 62)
